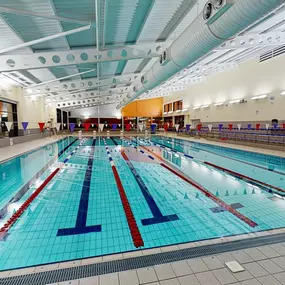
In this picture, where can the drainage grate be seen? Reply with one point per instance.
(84, 271)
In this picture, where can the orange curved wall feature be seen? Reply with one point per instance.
(144, 108)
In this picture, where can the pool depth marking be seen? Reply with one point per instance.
(81, 220)
(134, 229)
(205, 191)
(262, 185)
(157, 215)
(4, 230)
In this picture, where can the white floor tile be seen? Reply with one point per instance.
(128, 278)
(109, 279)
(197, 265)
(188, 280)
(164, 271)
(146, 275)
(181, 268)
(89, 281)
(173, 281)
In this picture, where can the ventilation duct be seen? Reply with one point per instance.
(203, 35)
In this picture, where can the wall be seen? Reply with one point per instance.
(250, 79)
(144, 108)
(107, 111)
(32, 111)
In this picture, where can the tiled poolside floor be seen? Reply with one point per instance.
(263, 265)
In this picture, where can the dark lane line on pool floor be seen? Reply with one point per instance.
(26, 187)
(81, 220)
(202, 189)
(134, 229)
(158, 217)
(262, 185)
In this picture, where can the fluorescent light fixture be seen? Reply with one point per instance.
(196, 108)
(234, 101)
(185, 110)
(219, 104)
(86, 117)
(164, 113)
(282, 93)
(29, 91)
(170, 112)
(178, 111)
(205, 106)
(258, 97)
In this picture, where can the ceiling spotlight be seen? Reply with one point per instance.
(29, 90)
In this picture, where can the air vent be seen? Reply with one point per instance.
(272, 53)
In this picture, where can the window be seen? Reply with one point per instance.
(177, 105)
(167, 107)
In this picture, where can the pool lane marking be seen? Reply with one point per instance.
(134, 229)
(27, 185)
(158, 217)
(234, 159)
(255, 182)
(4, 230)
(206, 192)
(81, 220)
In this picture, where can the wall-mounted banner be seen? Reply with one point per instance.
(257, 126)
(87, 126)
(79, 125)
(72, 126)
(210, 127)
(165, 127)
(249, 126)
(199, 127)
(41, 125)
(266, 126)
(177, 127)
(114, 126)
(230, 127)
(64, 125)
(25, 125)
(275, 126)
(153, 127)
(101, 127)
(8, 125)
(220, 127)
(283, 126)
(119, 125)
(128, 127)
(140, 127)
(92, 125)
(58, 126)
(239, 126)
(188, 127)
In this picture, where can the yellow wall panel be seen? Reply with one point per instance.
(144, 108)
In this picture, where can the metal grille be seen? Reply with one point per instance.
(85, 271)
(273, 53)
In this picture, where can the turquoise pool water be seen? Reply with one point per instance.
(79, 214)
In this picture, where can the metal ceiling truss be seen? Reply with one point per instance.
(71, 85)
(84, 95)
(254, 40)
(78, 56)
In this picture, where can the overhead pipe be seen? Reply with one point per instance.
(202, 36)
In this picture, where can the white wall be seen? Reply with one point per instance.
(252, 78)
(32, 111)
(107, 111)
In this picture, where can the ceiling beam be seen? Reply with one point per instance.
(254, 40)
(41, 15)
(45, 39)
(78, 56)
(91, 83)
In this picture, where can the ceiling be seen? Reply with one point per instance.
(80, 54)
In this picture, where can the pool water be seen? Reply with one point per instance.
(79, 214)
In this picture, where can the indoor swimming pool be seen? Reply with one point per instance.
(109, 195)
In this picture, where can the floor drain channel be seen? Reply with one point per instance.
(61, 275)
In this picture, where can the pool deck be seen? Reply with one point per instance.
(263, 265)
